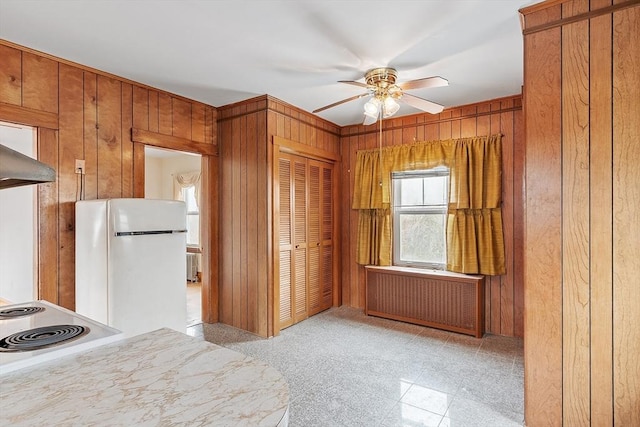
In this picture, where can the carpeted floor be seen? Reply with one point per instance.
(348, 369)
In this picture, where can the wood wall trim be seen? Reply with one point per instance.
(470, 111)
(269, 103)
(28, 116)
(172, 142)
(91, 70)
(576, 18)
(304, 150)
(541, 6)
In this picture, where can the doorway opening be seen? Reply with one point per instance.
(175, 175)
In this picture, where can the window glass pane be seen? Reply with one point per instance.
(189, 194)
(193, 230)
(411, 191)
(422, 238)
(435, 190)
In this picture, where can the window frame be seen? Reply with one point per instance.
(191, 213)
(397, 211)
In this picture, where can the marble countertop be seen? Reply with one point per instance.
(159, 378)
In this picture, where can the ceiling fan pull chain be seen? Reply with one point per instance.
(380, 155)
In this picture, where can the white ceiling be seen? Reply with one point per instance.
(224, 51)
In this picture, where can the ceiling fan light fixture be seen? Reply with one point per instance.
(391, 106)
(372, 107)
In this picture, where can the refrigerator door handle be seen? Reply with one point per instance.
(144, 233)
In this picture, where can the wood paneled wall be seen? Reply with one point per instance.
(245, 135)
(582, 227)
(83, 113)
(503, 294)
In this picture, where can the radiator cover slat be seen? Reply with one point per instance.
(453, 302)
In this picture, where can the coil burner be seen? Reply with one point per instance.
(43, 337)
(12, 313)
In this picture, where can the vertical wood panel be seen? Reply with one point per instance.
(543, 229)
(345, 212)
(518, 223)
(90, 117)
(265, 211)
(236, 227)
(198, 123)
(445, 125)
(48, 220)
(140, 108)
(154, 111)
(127, 144)
(210, 235)
(109, 138)
(70, 140)
(601, 220)
(10, 75)
(165, 114)
(575, 220)
(226, 220)
(626, 219)
(269, 129)
(138, 173)
(468, 127)
(181, 125)
(251, 241)
(242, 222)
(39, 83)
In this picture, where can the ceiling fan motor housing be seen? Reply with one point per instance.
(382, 82)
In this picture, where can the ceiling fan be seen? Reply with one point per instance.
(385, 94)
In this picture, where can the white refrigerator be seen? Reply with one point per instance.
(131, 263)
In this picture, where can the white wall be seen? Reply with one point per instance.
(153, 178)
(159, 171)
(17, 225)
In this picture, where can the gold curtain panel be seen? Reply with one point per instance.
(475, 242)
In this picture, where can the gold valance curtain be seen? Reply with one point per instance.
(475, 242)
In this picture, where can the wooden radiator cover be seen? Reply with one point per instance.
(444, 300)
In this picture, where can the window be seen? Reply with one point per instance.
(193, 216)
(419, 217)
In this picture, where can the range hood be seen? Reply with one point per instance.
(16, 169)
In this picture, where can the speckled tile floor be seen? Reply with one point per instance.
(348, 369)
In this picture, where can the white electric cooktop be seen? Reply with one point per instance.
(38, 331)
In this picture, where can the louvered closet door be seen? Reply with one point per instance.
(285, 233)
(299, 299)
(305, 233)
(315, 262)
(320, 236)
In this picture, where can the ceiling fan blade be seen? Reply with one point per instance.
(422, 104)
(369, 120)
(326, 107)
(351, 82)
(423, 83)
